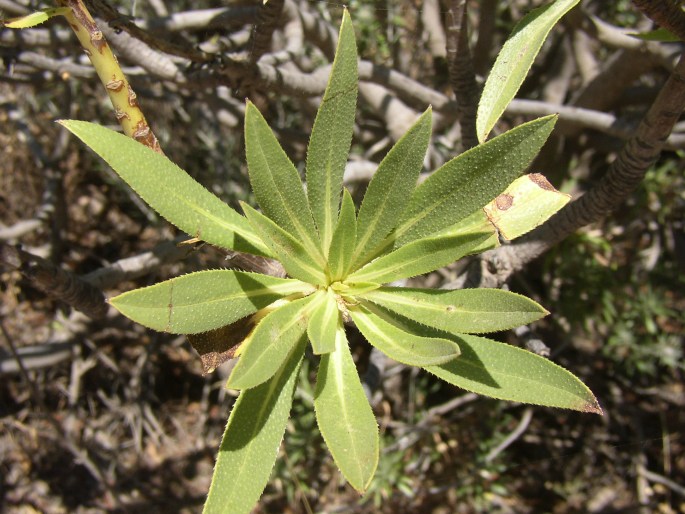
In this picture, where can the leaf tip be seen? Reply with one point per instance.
(591, 407)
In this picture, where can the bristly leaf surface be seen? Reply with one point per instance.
(296, 259)
(276, 183)
(470, 311)
(505, 372)
(390, 337)
(270, 344)
(169, 190)
(393, 183)
(514, 61)
(250, 444)
(324, 323)
(342, 244)
(345, 417)
(470, 181)
(421, 256)
(331, 136)
(205, 300)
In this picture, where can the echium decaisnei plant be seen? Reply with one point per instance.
(338, 260)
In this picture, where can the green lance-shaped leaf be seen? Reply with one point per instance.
(471, 180)
(386, 197)
(269, 346)
(205, 300)
(527, 203)
(661, 34)
(345, 417)
(389, 336)
(35, 18)
(275, 181)
(169, 190)
(344, 236)
(251, 440)
(331, 136)
(505, 372)
(422, 256)
(296, 259)
(324, 322)
(470, 311)
(514, 62)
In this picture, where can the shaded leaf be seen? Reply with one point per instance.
(296, 259)
(203, 301)
(391, 338)
(514, 61)
(169, 190)
(345, 417)
(661, 34)
(250, 444)
(342, 244)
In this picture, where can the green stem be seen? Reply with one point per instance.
(124, 99)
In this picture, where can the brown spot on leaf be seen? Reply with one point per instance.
(504, 201)
(541, 181)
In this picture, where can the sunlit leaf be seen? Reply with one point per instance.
(344, 415)
(35, 18)
(471, 180)
(270, 344)
(275, 181)
(468, 311)
(391, 338)
(527, 203)
(386, 197)
(505, 372)
(422, 256)
(514, 61)
(324, 323)
(329, 143)
(203, 301)
(169, 190)
(251, 440)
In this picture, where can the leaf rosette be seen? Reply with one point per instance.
(339, 263)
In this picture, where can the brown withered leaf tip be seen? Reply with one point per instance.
(220, 345)
(541, 181)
